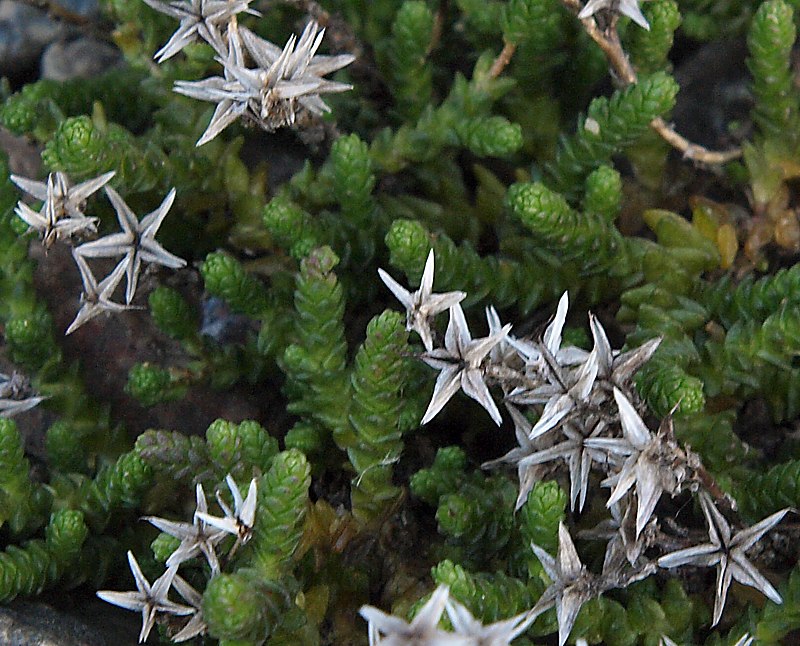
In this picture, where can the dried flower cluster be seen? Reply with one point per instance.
(588, 420)
(62, 218)
(201, 536)
(283, 84)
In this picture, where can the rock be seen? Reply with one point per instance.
(32, 623)
(81, 58)
(24, 33)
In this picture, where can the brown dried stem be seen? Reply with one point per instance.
(608, 41)
(502, 60)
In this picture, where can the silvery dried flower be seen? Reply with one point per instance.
(14, 391)
(137, 241)
(270, 95)
(572, 584)
(148, 599)
(422, 305)
(461, 362)
(656, 465)
(728, 552)
(96, 298)
(580, 451)
(628, 8)
(500, 633)
(388, 630)
(240, 521)
(61, 215)
(67, 201)
(196, 624)
(203, 18)
(196, 537)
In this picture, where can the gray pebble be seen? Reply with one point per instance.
(24, 33)
(81, 58)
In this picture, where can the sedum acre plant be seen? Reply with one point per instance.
(617, 302)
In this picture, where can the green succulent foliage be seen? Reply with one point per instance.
(616, 123)
(648, 50)
(774, 621)
(243, 607)
(538, 24)
(151, 385)
(290, 226)
(603, 194)
(17, 501)
(281, 509)
(240, 449)
(38, 564)
(66, 445)
(770, 39)
(758, 358)
(353, 180)
(541, 514)
(163, 546)
(490, 597)
(762, 493)
(125, 482)
(407, 49)
(315, 364)
(38, 107)
(175, 456)
(443, 476)
(225, 277)
(751, 299)
(172, 313)
(85, 147)
(378, 379)
(478, 517)
(30, 339)
(588, 238)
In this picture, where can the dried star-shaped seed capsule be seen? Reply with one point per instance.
(14, 391)
(137, 241)
(240, 521)
(728, 552)
(500, 633)
(61, 215)
(656, 464)
(201, 18)
(628, 8)
(423, 304)
(573, 585)
(96, 298)
(196, 537)
(461, 364)
(388, 630)
(271, 94)
(149, 599)
(196, 624)
(67, 201)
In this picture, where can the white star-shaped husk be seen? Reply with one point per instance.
(656, 464)
(572, 585)
(196, 537)
(241, 520)
(61, 215)
(270, 95)
(461, 365)
(628, 8)
(96, 298)
(500, 633)
(727, 552)
(137, 241)
(422, 305)
(388, 630)
(147, 599)
(13, 395)
(199, 18)
(196, 625)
